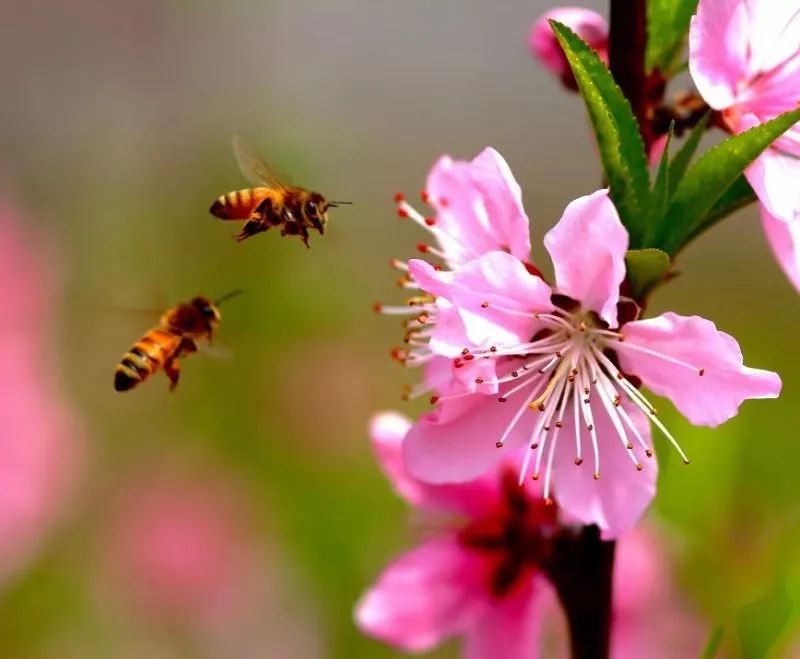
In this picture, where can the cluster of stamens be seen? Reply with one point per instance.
(570, 362)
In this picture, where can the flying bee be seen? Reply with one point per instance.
(177, 334)
(272, 202)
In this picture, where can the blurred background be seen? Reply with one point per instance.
(115, 128)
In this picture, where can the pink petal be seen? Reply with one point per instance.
(709, 399)
(774, 33)
(621, 496)
(587, 24)
(510, 628)
(784, 238)
(775, 178)
(718, 50)
(495, 295)
(457, 441)
(588, 248)
(387, 431)
(479, 208)
(425, 596)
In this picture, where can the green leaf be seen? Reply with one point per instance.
(714, 643)
(616, 130)
(736, 197)
(710, 177)
(667, 25)
(685, 154)
(646, 268)
(661, 188)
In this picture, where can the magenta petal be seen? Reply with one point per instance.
(447, 446)
(718, 50)
(588, 248)
(708, 399)
(427, 595)
(621, 496)
(510, 628)
(495, 295)
(479, 208)
(586, 23)
(784, 238)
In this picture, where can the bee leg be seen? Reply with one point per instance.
(250, 228)
(173, 370)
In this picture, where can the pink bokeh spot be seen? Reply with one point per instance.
(40, 442)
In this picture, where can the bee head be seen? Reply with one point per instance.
(207, 311)
(316, 211)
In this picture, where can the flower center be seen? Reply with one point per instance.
(515, 538)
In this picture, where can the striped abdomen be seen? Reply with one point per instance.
(147, 356)
(239, 204)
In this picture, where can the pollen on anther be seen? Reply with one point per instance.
(493, 349)
(399, 198)
(590, 427)
(629, 446)
(534, 446)
(499, 444)
(430, 221)
(541, 407)
(377, 307)
(478, 380)
(686, 461)
(422, 247)
(434, 400)
(578, 462)
(514, 374)
(701, 372)
(484, 305)
(402, 212)
(639, 466)
(649, 453)
(502, 399)
(535, 477)
(597, 475)
(559, 424)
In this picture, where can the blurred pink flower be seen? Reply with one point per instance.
(744, 57)
(478, 578)
(38, 432)
(577, 354)
(181, 552)
(586, 23)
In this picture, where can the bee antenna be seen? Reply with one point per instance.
(228, 296)
(336, 203)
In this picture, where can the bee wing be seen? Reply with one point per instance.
(218, 352)
(253, 168)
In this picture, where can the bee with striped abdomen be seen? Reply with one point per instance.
(177, 334)
(272, 202)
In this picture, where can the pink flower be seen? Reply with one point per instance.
(478, 577)
(587, 24)
(472, 580)
(38, 432)
(180, 551)
(744, 58)
(558, 370)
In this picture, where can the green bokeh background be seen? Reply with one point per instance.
(115, 129)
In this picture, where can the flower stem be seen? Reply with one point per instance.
(626, 53)
(580, 568)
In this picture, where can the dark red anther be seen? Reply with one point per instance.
(434, 400)
(533, 270)
(402, 212)
(484, 305)
(399, 198)
(438, 268)
(444, 203)
(377, 307)
(493, 349)
(499, 444)
(424, 196)
(422, 247)
(502, 399)
(430, 221)
(469, 357)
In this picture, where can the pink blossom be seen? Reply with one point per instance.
(558, 369)
(39, 440)
(745, 60)
(180, 550)
(587, 24)
(477, 577)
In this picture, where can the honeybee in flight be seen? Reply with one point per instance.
(177, 334)
(272, 202)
